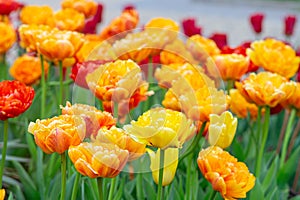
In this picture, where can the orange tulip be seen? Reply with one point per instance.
(266, 88)
(98, 159)
(7, 37)
(2, 194)
(274, 56)
(69, 19)
(123, 140)
(57, 134)
(229, 66)
(240, 106)
(27, 69)
(171, 101)
(162, 23)
(87, 7)
(293, 101)
(227, 176)
(39, 15)
(94, 118)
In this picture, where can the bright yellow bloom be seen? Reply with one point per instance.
(294, 100)
(27, 69)
(87, 7)
(274, 56)
(162, 128)
(229, 66)
(266, 88)
(38, 15)
(240, 106)
(199, 104)
(69, 19)
(58, 133)
(222, 129)
(2, 194)
(227, 176)
(162, 23)
(7, 37)
(98, 159)
(94, 118)
(170, 164)
(123, 140)
(201, 47)
(171, 101)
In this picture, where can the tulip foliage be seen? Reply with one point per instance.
(157, 111)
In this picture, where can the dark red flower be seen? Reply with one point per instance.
(90, 26)
(80, 70)
(8, 6)
(144, 64)
(256, 21)
(220, 39)
(15, 98)
(289, 24)
(129, 7)
(190, 28)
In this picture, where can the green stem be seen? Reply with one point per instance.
(100, 187)
(112, 188)
(287, 136)
(161, 175)
(230, 84)
(213, 195)
(4, 67)
(116, 113)
(39, 165)
(139, 186)
(150, 70)
(5, 140)
(63, 175)
(43, 85)
(195, 142)
(61, 85)
(75, 186)
(188, 176)
(263, 142)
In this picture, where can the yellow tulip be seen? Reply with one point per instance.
(2, 194)
(222, 129)
(170, 164)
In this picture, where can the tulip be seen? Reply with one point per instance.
(86, 7)
(190, 28)
(7, 37)
(220, 39)
(256, 21)
(2, 194)
(8, 6)
(69, 19)
(222, 129)
(43, 15)
(289, 24)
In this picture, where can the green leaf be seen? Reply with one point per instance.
(257, 191)
(296, 198)
(270, 176)
(149, 190)
(287, 171)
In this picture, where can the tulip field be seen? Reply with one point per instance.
(144, 111)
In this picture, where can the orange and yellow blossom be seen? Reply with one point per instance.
(162, 128)
(7, 37)
(240, 106)
(69, 19)
(293, 101)
(170, 164)
(2, 194)
(123, 140)
(98, 159)
(57, 134)
(87, 7)
(222, 129)
(266, 88)
(94, 118)
(229, 66)
(274, 56)
(38, 15)
(162, 23)
(27, 69)
(227, 176)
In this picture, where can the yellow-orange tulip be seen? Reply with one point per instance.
(69, 19)
(229, 66)
(222, 129)
(27, 69)
(162, 128)
(57, 134)
(7, 37)
(162, 23)
(227, 176)
(87, 7)
(2, 194)
(240, 106)
(94, 118)
(170, 164)
(294, 100)
(274, 56)
(123, 140)
(266, 88)
(171, 101)
(39, 15)
(98, 159)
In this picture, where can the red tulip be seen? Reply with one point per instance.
(289, 24)
(256, 20)
(90, 26)
(8, 6)
(190, 28)
(129, 7)
(15, 98)
(220, 39)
